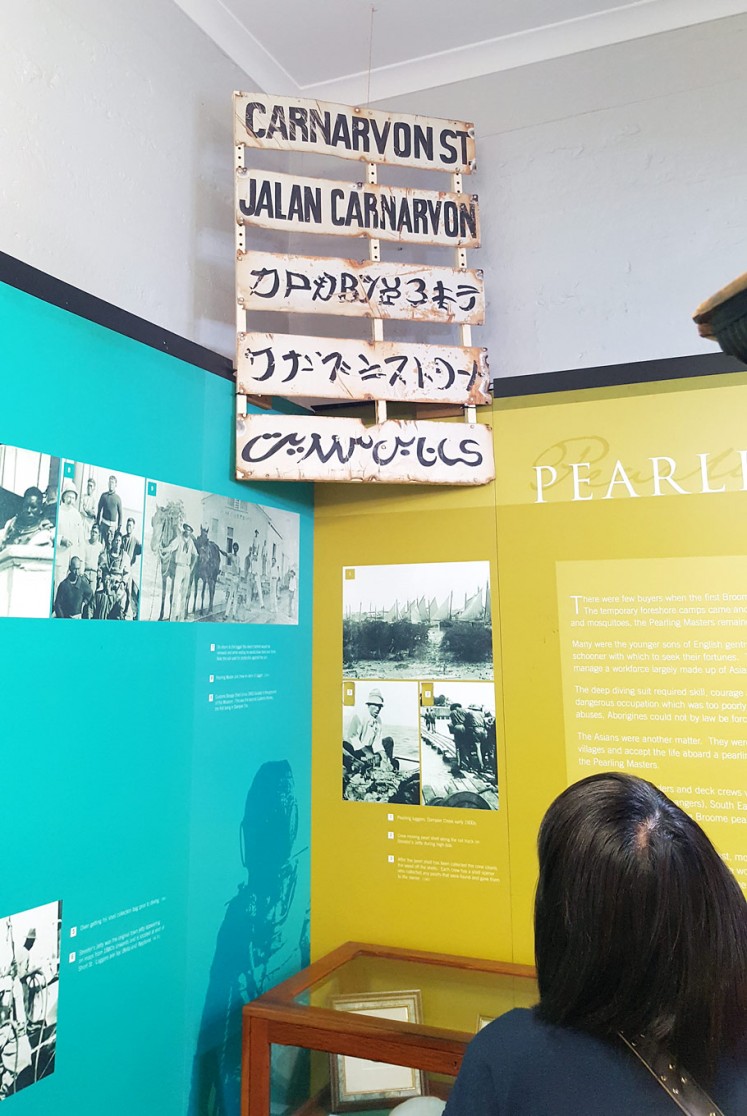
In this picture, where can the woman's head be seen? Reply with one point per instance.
(639, 925)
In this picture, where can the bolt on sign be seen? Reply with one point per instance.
(311, 367)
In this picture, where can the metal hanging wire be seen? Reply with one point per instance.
(370, 56)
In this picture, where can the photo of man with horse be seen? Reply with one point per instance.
(212, 558)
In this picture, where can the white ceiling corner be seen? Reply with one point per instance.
(228, 23)
(236, 40)
(552, 40)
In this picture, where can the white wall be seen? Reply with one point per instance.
(612, 187)
(116, 157)
(612, 183)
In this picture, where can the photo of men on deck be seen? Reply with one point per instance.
(380, 752)
(29, 981)
(215, 558)
(28, 510)
(458, 746)
(98, 544)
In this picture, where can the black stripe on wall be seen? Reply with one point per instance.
(613, 375)
(37, 283)
(17, 274)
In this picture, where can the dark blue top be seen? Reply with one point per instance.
(520, 1066)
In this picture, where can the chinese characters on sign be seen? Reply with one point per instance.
(324, 367)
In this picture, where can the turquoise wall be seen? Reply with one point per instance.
(124, 787)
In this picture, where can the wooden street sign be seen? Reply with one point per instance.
(393, 138)
(340, 368)
(310, 448)
(321, 205)
(354, 288)
(313, 448)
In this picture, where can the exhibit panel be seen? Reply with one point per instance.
(615, 535)
(621, 543)
(148, 755)
(409, 760)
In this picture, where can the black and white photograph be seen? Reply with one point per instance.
(99, 544)
(29, 982)
(28, 512)
(213, 558)
(425, 620)
(380, 746)
(458, 746)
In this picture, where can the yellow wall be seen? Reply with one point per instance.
(592, 540)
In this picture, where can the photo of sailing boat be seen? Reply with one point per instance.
(424, 620)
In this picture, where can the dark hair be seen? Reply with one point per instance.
(639, 925)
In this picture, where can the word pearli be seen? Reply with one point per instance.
(665, 478)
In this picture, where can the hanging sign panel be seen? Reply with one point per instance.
(337, 368)
(274, 364)
(321, 205)
(310, 448)
(292, 124)
(362, 289)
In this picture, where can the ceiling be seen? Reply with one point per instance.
(367, 50)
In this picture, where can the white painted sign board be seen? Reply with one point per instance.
(361, 289)
(349, 132)
(322, 205)
(310, 448)
(340, 368)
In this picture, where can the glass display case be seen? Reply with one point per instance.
(411, 1013)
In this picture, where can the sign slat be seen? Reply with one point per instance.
(321, 205)
(312, 448)
(332, 368)
(361, 289)
(349, 132)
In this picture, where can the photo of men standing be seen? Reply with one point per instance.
(98, 544)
